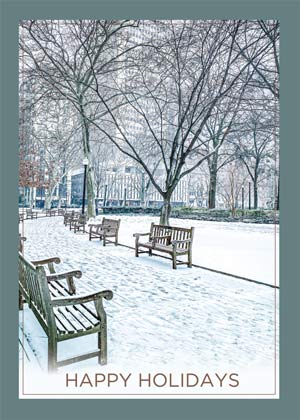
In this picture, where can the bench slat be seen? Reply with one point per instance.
(181, 237)
(76, 311)
(89, 316)
(60, 327)
(68, 315)
(63, 321)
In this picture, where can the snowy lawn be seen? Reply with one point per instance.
(247, 250)
(163, 317)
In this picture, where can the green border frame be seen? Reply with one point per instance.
(288, 406)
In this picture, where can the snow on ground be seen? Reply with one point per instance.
(159, 316)
(243, 249)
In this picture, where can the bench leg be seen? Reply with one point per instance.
(150, 252)
(189, 264)
(104, 243)
(174, 261)
(102, 346)
(52, 354)
(136, 247)
(20, 301)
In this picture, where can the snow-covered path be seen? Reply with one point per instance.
(158, 316)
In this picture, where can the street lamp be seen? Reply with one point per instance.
(85, 163)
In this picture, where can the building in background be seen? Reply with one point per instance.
(122, 186)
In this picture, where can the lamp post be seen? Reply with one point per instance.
(85, 163)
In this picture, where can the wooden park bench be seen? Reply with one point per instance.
(77, 222)
(30, 214)
(108, 228)
(172, 240)
(62, 314)
(61, 212)
(51, 212)
(68, 216)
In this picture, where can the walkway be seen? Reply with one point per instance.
(158, 317)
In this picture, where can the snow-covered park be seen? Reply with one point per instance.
(243, 249)
(147, 132)
(163, 317)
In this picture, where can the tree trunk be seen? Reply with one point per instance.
(48, 200)
(90, 178)
(212, 191)
(27, 200)
(143, 190)
(59, 197)
(232, 210)
(255, 194)
(213, 168)
(165, 211)
(49, 196)
(90, 192)
(31, 197)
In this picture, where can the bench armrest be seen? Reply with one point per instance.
(64, 275)
(66, 301)
(56, 260)
(137, 235)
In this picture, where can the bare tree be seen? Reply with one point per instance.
(101, 159)
(56, 133)
(66, 55)
(31, 175)
(174, 89)
(263, 56)
(262, 52)
(254, 146)
(221, 156)
(232, 182)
